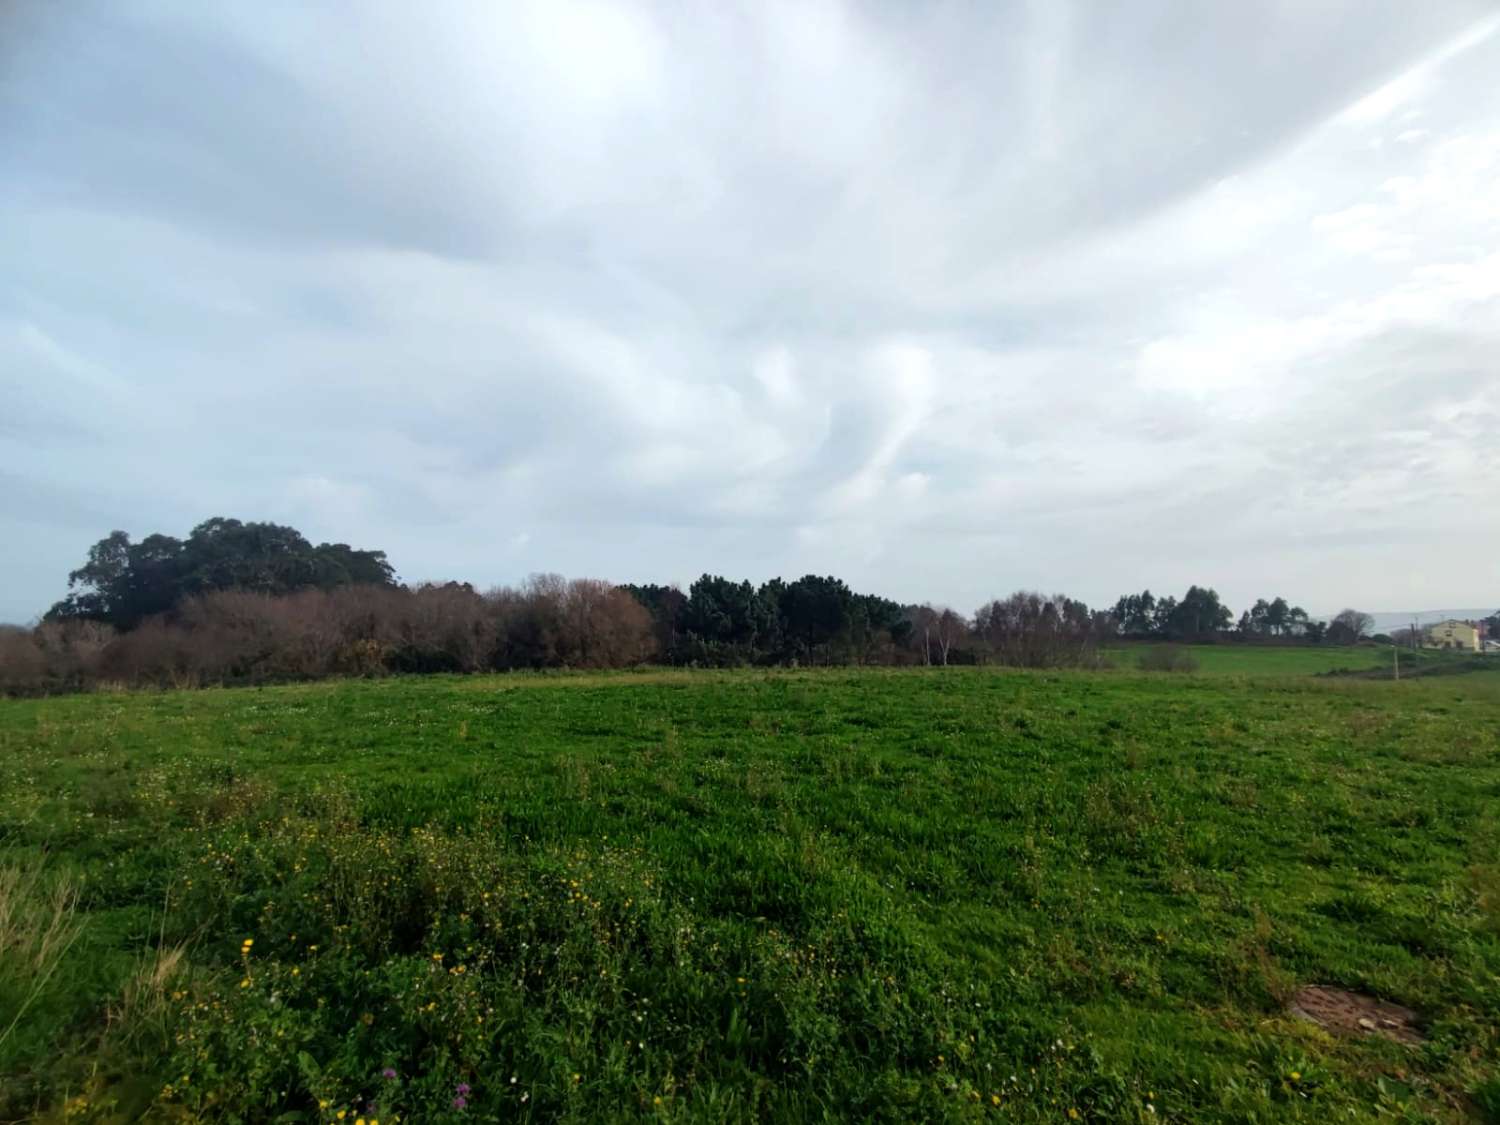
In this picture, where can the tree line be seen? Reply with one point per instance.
(240, 603)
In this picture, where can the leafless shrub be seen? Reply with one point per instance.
(1032, 630)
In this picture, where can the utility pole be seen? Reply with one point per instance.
(1396, 659)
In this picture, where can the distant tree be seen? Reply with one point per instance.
(1134, 614)
(948, 630)
(123, 583)
(1163, 614)
(1277, 615)
(1198, 616)
(725, 621)
(1349, 626)
(1408, 637)
(1274, 618)
(667, 606)
(815, 613)
(1316, 632)
(1035, 631)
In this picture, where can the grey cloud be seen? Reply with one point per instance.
(944, 299)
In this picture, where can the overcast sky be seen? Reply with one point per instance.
(946, 300)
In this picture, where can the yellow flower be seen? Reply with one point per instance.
(656, 1101)
(994, 1099)
(245, 983)
(340, 1114)
(359, 1121)
(1296, 1074)
(1073, 1113)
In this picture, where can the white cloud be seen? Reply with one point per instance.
(945, 301)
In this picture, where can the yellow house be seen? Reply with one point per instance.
(1453, 634)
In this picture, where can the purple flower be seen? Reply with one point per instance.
(460, 1101)
(461, 1089)
(388, 1072)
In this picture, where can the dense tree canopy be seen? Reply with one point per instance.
(122, 583)
(246, 602)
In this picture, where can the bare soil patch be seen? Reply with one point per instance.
(1349, 1013)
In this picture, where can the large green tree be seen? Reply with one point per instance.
(123, 582)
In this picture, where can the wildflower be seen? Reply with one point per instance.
(1072, 1113)
(388, 1072)
(245, 983)
(577, 1078)
(460, 1101)
(1296, 1075)
(656, 1100)
(340, 1114)
(994, 1099)
(359, 1121)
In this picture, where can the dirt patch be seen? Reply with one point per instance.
(1349, 1013)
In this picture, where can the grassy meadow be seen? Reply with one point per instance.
(927, 894)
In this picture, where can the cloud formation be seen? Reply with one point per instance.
(943, 300)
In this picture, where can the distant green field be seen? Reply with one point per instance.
(924, 894)
(1273, 660)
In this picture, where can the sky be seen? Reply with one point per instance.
(947, 300)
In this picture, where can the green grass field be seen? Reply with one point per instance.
(1281, 660)
(947, 894)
